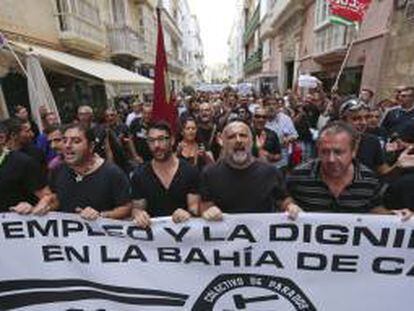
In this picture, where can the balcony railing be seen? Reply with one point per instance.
(252, 25)
(123, 40)
(176, 64)
(333, 37)
(253, 62)
(80, 25)
(280, 12)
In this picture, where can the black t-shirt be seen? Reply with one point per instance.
(370, 152)
(302, 126)
(255, 189)
(400, 193)
(312, 112)
(37, 155)
(160, 201)
(106, 188)
(139, 133)
(271, 145)
(20, 177)
(207, 137)
(114, 136)
(395, 118)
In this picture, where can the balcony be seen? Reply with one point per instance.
(80, 26)
(252, 25)
(175, 65)
(280, 12)
(171, 25)
(331, 43)
(125, 41)
(254, 62)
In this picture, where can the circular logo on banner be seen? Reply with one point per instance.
(232, 292)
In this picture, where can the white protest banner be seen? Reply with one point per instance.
(247, 262)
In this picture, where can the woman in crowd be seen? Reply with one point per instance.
(189, 149)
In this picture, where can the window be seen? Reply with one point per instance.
(322, 12)
(118, 11)
(409, 10)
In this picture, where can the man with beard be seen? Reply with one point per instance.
(165, 185)
(241, 184)
(334, 182)
(86, 183)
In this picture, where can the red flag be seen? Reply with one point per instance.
(350, 10)
(164, 104)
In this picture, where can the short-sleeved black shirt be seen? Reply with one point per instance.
(139, 133)
(160, 201)
(312, 194)
(400, 193)
(20, 177)
(106, 188)
(207, 137)
(271, 145)
(370, 152)
(395, 118)
(256, 189)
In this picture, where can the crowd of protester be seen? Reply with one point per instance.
(228, 153)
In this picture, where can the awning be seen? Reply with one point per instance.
(117, 80)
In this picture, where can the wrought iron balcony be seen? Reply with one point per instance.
(79, 25)
(254, 62)
(123, 40)
(252, 25)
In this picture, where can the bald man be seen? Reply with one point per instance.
(239, 183)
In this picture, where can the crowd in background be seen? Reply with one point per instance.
(45, 167)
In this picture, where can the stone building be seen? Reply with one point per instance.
(91, 51)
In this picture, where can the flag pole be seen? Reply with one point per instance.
(345, 61)
(341, 70)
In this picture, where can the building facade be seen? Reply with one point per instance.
(236, 55)
(252, 45)
(285, 38)
(120, 32)
(325, 45)
(398, 67)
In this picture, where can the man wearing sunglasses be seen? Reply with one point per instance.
(369, 152)
(166, 185)
(266, 144)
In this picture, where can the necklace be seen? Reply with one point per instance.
(95, 163)
(3, 155)
(78, 178)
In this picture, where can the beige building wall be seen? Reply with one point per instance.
(398, 69)
(32, 19)
(149, 30)
(367, 52)
(369, 48)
